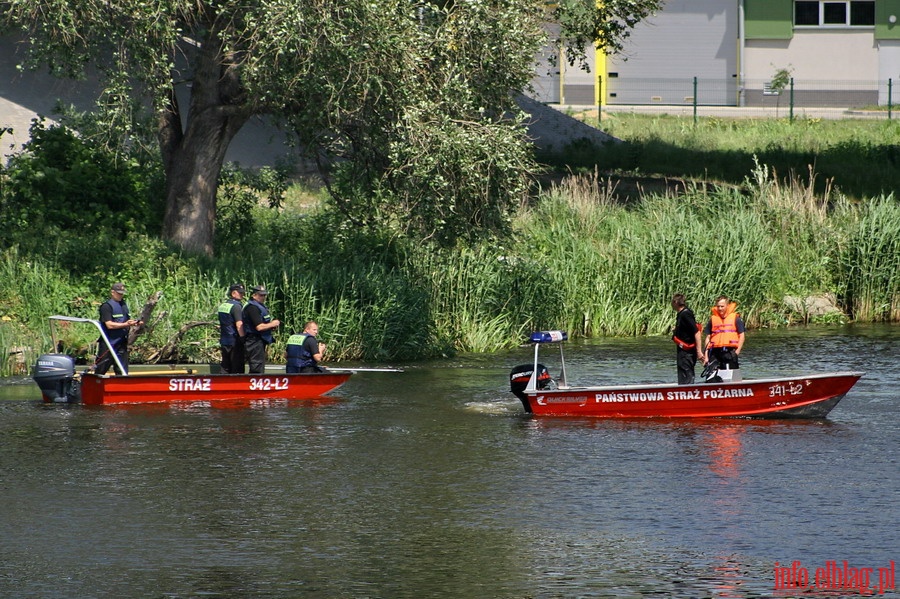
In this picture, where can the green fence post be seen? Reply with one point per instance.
(695, 100)
(599, 98)
(791, 118)
(890, 82)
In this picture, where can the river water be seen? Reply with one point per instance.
(434, 483)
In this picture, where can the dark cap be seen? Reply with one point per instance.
(120, 287)
(236, 287)
(260, 289)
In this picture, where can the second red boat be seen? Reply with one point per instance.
(803, 396)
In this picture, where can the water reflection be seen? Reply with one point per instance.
(724, 447)
(729, 578)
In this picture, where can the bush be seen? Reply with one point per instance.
(62, 183)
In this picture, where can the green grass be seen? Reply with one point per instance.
(859, 158)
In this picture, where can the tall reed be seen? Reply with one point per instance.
(870, 262)
(478, 298)
(34, 289)
(620, 265)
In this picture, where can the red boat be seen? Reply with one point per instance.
(56, 377)
(165, 388)
(722, 395)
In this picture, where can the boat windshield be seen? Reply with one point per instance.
(539, 337)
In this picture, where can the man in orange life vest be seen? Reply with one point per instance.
(687, 340)
(724, 334)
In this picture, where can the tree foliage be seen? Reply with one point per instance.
(421, 130)
(405, 104)
(605, 24)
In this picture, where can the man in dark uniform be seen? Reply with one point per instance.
(258, 324)
(115, 323)
(231, 331)
(304, 351)
(687, 340)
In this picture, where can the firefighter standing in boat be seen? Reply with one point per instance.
(725, 334)
(258, 324)
(687, 340)
(115, 322)
(231, 330)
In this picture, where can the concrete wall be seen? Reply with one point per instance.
(818, 55)
(25, 96)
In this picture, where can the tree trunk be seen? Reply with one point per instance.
(193, 157)
(192, 181)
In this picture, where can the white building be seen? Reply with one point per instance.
(838, 52)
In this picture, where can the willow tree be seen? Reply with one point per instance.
(405, 103)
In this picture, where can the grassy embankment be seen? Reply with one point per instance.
(580, 259)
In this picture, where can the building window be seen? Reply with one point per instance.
(806, 12)
(834, 13)
(862, 13)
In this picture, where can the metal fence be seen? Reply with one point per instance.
(797, 97)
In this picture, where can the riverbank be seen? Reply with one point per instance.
(579, 260)
(735, 207)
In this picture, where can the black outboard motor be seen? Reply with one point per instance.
(55, 375)
(519, 377)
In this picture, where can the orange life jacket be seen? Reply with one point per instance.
(724, 331)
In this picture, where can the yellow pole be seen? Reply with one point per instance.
(600, 68)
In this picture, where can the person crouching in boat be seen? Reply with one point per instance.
(725, 334)
(258, 325)
(686, 335)
(304, 351)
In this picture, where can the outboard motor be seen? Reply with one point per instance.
(519, 377)
(55, 375)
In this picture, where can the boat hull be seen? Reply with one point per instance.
(809, 396)
(156, 388)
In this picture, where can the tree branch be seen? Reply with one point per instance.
(169, 351)
(146, 311)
